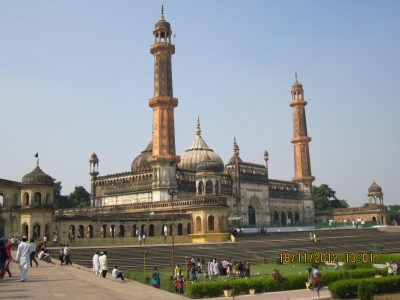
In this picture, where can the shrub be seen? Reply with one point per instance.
(364, 291)
(269, 284)
(382, 258)
(350, 287)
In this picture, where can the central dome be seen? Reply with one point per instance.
(198, 153)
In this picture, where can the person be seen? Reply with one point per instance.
(117, 273)
(144, 238)
(22, 258)
(178, 271)
(45, 241)
(315, 237)
(103, 264)
(67, 255)
(394, 267)
(316, 275)
(179, 284)
(96, 264)
(44, 255)
(61, 254)
(309, 278)
(336, 266)
(155, 281)
(32, 252)
(390, 268)
(165, 233)
(6, 268)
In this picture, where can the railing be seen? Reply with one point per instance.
(207, 200)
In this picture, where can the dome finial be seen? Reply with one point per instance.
(198, 130)
(295, 77)
(162, 11)
(235, 147)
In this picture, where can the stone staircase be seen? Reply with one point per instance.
(253, 247)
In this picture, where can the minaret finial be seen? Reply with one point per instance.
(198, 130)
(295, 76)
(235, 147)
(162, 11)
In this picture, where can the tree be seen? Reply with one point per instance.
(79, 197)
(60, 201)
(325, 198)
(394, 214)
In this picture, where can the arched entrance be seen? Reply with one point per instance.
(276, 218)
(151, 230)
(290, 219)
(81, 230)
(198, 224)
(37, 199)
(47, 230)
(296, 218)
(71, 232)
(2, 227)
(25, 229)
(180, 229)
(104, 231)
(283, 219)
(36, 231)
(252, 215)
(121, 232)
(89, 231)
(210, 222)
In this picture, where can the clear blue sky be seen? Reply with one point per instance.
(76, 76)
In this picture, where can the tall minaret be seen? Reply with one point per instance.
(163, 159)
(300, 139)
(93, 172)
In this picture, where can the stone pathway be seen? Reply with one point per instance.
(52, 281)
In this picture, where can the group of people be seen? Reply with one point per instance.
(100, 266)
(26, 254)
(393, 267)
(313, 237)
(214, 268)
(64, 255)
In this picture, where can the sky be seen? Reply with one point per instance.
(76, 77)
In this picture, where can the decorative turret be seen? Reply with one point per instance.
(163, 159)
(375, 195)
(93, 172)
(300, 138)
(266, 158)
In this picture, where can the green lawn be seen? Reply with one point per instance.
(256, 271)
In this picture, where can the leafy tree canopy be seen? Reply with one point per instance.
(80, 197)
(325, 198)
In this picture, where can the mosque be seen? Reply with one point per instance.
(195, 190)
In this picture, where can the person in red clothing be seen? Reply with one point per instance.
(8, 260)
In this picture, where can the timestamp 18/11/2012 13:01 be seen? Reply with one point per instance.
(325, 257)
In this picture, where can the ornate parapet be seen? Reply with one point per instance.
(186, 204)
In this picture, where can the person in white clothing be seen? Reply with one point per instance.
(23, 258)
(96, 264)
(117, 273)
(103, 264)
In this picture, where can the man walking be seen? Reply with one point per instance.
(23, 258)
(103, 264)
(96, 264)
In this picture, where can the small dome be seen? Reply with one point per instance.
(374, 188)
(198, 153)
(141, 163)
(37, 176)
(94, 159)
(210, 166)
(162, 27)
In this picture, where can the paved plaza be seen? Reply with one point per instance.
(52, 281)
